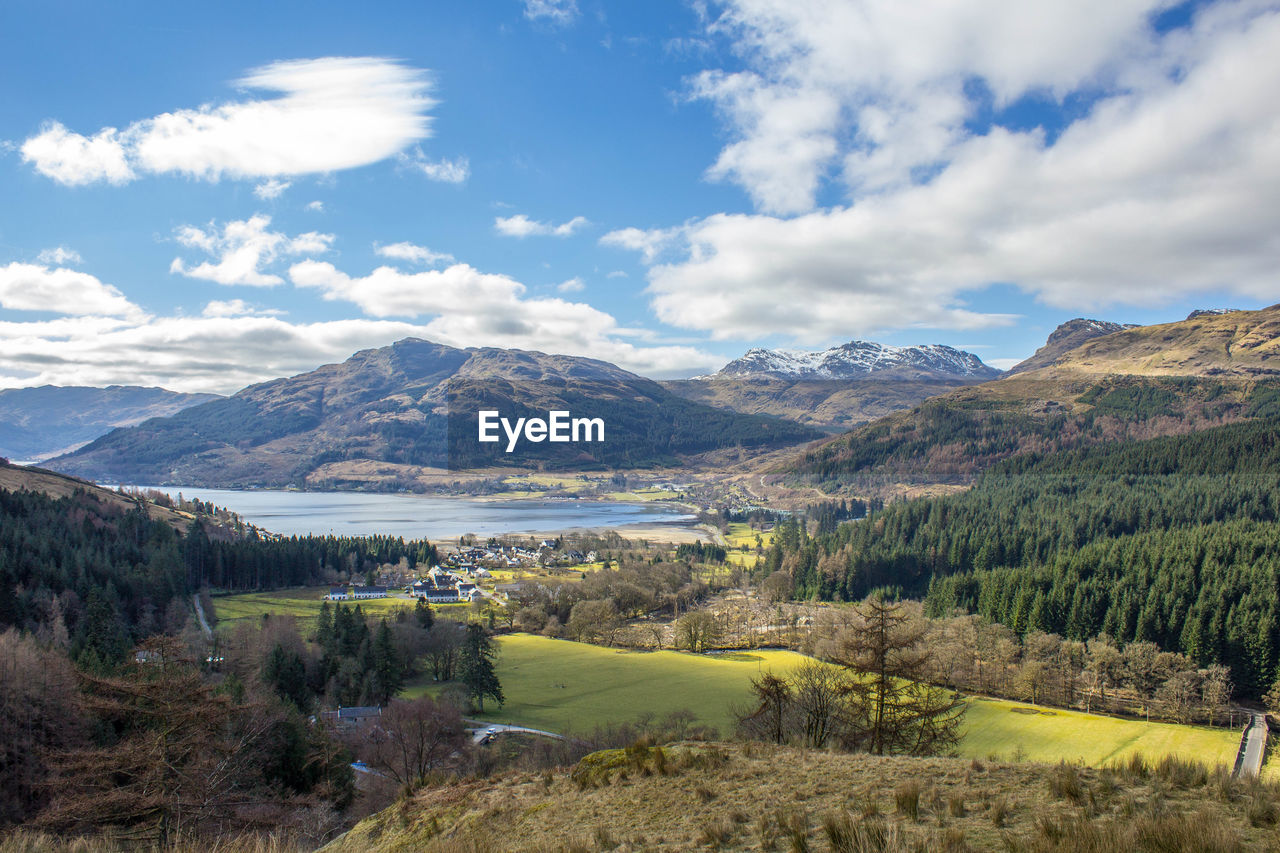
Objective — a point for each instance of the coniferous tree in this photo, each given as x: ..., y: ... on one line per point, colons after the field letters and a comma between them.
x: 893, y: 709
x: 477, y: 667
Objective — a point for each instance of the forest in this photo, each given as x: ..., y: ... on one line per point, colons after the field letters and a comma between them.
x: 1173, y: 540
x: 103, y: 579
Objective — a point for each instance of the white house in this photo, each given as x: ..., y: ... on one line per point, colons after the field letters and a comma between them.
x: 338, y: 593
x: 371, y: 592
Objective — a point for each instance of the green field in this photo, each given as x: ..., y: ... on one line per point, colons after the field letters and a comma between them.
x: 565, y: 686
x: 741, y: 534
x: 304, y: 604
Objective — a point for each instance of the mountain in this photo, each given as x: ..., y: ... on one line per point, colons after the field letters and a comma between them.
x: 1130, y: 383
x: 387, y: 415
x: 837, y: 388
x: 858, y: 360
x: 831, y: 405
x: 1065, y: 338
x: 39, y: 423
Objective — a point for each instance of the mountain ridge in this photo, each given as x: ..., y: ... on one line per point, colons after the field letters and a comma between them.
x: 42, y: 422
x: 411, y: 406
x: 857, y: 360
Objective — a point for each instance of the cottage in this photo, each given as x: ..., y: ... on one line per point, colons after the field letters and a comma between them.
x: 356, y: 716
x: 338, y: 593
x: 371, y: 592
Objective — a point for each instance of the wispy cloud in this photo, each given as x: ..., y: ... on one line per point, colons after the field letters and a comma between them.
x: 445, y: 171
x: 556, y: 12
x: 334, y: 113
x: 521, y: 225
x: 242, y: 249
x: 59, y: 256
x: 412, y: 253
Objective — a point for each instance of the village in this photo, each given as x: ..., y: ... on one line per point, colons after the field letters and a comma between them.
x: 466, y: 574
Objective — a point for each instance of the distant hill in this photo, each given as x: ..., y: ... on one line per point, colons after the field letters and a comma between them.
x: 837, y: 388
x: 413, y: 405
x: 1207, y: 343
x: 1114, y: 384
x: 1065, y: 338
x: 859, y: 360
x: 39, y: 423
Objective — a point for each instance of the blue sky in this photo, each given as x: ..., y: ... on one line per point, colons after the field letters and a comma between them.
x: 201, y: 197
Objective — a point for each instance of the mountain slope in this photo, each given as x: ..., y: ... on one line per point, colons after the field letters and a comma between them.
x: 1133, y: 383
x: 414, y: 404
x: 1065, y: 338
x: 833, y: 405
x: 38, y: 423
x: 837, y: 388
x: 857, y: 360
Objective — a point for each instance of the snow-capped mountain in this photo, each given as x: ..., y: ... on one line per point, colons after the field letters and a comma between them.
x: 857, y: 360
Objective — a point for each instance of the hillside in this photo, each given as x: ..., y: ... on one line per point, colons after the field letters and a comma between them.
x: 1137, y: 383
x: 833, y: 405
x: 414, y: 405
x: 39, y: 423
x: 19, y: 478
x: 763, y: 797
x: 1068, y: 336
x: 1234, y: 343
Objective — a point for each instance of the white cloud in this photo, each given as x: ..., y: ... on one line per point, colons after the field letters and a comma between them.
x: 445, y: 171
x: 472, y: 308
x: 72, y: 159
x: 573, y: 285
x: 522, y: 226
x: 650, y: 244
x: 316, y: 207
x: 59, y: 255
x: 236, y: 308
x: 271, y: 189
x: 412, y: 254
x: 1163, y: 189
x: 35, y: 287
x: 617, y: 274
x: 333, y: 113
x: 557, y: 12
x: 243, y: 248
x: 877, y: 91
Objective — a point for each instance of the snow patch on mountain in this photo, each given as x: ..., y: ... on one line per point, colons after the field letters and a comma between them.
x: 855, y: 360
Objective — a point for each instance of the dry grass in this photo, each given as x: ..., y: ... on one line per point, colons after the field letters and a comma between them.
x: 766, y: 798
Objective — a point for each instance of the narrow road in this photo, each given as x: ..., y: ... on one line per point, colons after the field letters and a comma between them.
x: 1255, y: 746
x: 479, y: 734
x: 204, y: 623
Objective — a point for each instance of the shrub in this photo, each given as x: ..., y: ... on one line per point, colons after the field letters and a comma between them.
x: 907, y: 798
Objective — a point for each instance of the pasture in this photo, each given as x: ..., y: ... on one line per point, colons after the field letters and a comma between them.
x: 564, y: 686
x: 303, y: 603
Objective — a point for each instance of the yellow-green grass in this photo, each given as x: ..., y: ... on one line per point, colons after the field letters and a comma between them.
x: 741, y: 533
x: 560, y: 686
x: 303, y: 603
x: 563, y: 686
x: 1009, y: 729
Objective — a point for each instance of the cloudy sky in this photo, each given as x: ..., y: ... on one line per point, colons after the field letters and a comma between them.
x: 201, y: 197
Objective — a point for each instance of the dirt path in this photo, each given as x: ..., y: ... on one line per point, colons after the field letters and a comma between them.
x: 204, y: 624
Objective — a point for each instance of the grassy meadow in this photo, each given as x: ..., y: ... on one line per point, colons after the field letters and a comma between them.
x: 303, y: 603
x: 562, y: 686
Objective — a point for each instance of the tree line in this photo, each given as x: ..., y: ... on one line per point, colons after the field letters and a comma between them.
x: 1172, y: 540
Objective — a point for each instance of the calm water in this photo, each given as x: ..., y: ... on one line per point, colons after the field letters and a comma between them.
x: 418, y: 517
